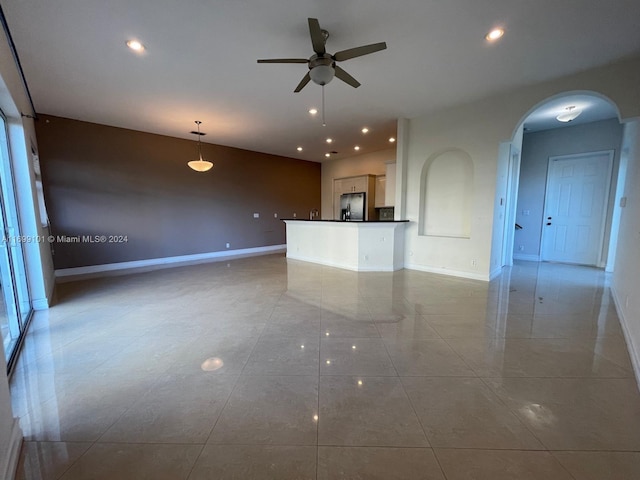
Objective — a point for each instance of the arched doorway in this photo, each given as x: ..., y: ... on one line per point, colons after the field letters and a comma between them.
x: 544, y: 149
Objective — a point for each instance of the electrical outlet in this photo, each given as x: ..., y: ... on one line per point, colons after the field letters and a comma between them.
x: 275, y: 215
x: 521, y: 248
x: 228, y: 245
x: 294, y: 215
x: 474, y: 263
x: 256, y: 215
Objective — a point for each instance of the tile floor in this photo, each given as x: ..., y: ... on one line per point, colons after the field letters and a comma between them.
x: 267, y: 369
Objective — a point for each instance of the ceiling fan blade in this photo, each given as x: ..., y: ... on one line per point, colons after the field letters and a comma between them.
x: 345, y: 77
x: 284, y: 60
x: 317, y: 38
x: 359, y: 51
x: 303, y: 82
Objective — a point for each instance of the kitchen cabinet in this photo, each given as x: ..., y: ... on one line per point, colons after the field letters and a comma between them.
x: 390, y: 185
x: 360, y: 183
x: 381, y: 181
x: 352, y: 184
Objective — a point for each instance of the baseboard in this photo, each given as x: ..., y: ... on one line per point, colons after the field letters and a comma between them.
x: 446, y: 271
x: 527, y: 257
x: 496, y: 272
x: 9, y: 463
x: 634, y: 354
x: 40, y: 303
x: 137, y: 266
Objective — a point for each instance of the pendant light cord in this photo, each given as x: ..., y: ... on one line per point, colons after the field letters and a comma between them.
x: 324, y: 124
x: 198, y: 122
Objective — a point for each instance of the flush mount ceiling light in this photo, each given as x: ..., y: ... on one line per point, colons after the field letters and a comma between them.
x: 200, y: 165
x: 135, y: 45
x: 570, y: 113
x: 391, y: 140
x: 327, y: 155
x: 313, y: 111
x: 329, y: 140
x: 494, y: 34
x: 299, y: 149
x: 365, y: 130
x: 356, y: 148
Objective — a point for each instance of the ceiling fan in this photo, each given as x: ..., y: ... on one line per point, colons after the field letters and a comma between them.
x: 322, y: 65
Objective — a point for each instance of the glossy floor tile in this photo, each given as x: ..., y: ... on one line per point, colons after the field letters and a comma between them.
x: 263, y: 368
x: 378, y: 463
x: 367, y: 411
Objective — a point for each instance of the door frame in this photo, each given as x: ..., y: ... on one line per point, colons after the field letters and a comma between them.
x: 605, y: 209
x: 511, y: 205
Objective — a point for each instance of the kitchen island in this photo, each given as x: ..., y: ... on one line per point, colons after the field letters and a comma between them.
x: 360, y: 246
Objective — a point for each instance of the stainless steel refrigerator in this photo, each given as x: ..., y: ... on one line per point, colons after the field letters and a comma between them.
x: 352, y: 206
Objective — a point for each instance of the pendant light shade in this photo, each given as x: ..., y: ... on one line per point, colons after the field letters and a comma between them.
x: 200, y: 165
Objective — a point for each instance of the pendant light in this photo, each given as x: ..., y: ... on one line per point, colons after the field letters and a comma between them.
x: 200, y: 165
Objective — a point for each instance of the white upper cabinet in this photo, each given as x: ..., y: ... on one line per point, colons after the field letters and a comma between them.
x: 380, y: 191
x: 390, y: 186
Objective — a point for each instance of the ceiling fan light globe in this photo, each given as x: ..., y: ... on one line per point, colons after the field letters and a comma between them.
x: 322, y: 74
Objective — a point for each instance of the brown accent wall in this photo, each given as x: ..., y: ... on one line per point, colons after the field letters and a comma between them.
x: 101, y: 180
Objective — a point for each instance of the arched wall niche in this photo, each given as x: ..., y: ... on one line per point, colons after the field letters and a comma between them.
x: 446, y: 195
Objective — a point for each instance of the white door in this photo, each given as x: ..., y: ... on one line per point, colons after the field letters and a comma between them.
x: 576, y: 207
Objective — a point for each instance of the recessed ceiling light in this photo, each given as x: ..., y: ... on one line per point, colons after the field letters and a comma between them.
x: 494, y: 34
x: 327, y: 155
x: 299, y: 149
x: 135, y: 45
x: 391, y: 139
x: 365, y: 130
x: 329, y: 140
x: 313, y: 111
x: 356, y: 147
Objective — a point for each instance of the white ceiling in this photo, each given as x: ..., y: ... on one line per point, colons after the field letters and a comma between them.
x: 200, y: 62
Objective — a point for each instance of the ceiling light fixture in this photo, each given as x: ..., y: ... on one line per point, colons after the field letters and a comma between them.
x: 200, y: 165
x: 494, y: 34
x: 570, y: 113
x: 365, y: 130
x: 135, y: 45
x: 313, y: 111
x: 356, y: 147
x: 392, y: 139
x: 329, y: 140
x: 327, y: 155
x: 299, y: 149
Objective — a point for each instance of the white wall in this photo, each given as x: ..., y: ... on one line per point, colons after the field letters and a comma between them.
x: 626, y: 276
x: 367, y: 163
x: 537, y: 147
x: 479, y: 128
